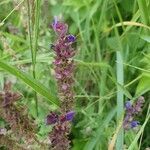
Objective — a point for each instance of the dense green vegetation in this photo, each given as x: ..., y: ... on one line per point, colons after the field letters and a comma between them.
x: 112, y: 65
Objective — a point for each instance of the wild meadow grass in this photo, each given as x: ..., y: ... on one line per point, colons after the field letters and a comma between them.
x: 112, y: 66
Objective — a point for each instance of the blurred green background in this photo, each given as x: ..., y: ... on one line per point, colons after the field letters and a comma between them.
x: 112, y: 64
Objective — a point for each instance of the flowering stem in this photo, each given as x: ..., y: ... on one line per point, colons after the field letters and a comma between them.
x: 64, y: 69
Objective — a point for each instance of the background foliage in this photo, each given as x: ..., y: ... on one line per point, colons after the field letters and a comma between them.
x: 105, y: 30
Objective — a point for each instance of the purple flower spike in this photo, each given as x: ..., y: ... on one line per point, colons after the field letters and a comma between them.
x: 131, y: 111
x: 71, y: 38
x: 64, y: 70
x: 134, y: 124
x: 52, y: 118
x: 70, y: 115
x: 128, y: 105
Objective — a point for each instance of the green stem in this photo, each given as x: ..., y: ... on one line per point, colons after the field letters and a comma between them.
x: 34, y: 46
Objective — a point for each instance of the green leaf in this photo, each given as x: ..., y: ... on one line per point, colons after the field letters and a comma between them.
x: 112, y: 43
x: 34, y: 84
x: 144, y: 84
x: 145, y: 38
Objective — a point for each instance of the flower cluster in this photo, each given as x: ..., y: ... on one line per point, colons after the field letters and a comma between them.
x: 54, y: 118
x: 60, y: 130
x: 131, y: 112
x: 7, y: 97
x: 64, y: 68
x: 18, y: 121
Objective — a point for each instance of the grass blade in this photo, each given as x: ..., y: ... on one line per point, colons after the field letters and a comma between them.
x: 119, y: 144
x: 3, y: 21
x: 144, y: 11
x: 120, y: 93
x: 35, y: 85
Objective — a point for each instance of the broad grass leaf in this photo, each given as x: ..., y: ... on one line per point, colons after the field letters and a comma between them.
x: 31, y: 82
x: 144, y: 84
x: 145, y: 38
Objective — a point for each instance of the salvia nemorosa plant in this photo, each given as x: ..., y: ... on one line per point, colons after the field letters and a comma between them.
x: 132, y: 110
x: 19, y: 122
x: 64, y: 68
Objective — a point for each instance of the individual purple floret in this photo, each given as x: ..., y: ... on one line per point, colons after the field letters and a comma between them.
x: 71, y: 38
x: 131, y: 112
x: 70, y: 115
x: 52, y: 118
x: 128, y: 105
x: 134, y: 124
